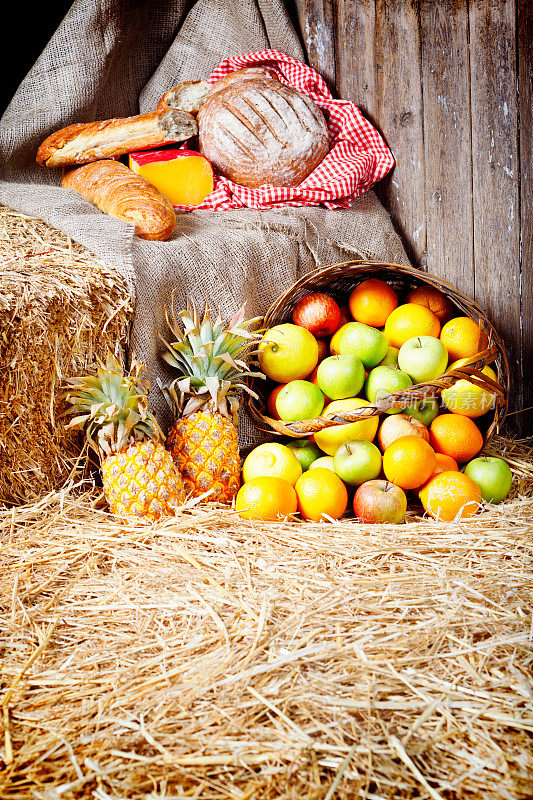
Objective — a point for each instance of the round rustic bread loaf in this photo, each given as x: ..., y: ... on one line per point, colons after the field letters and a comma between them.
x: 256, y: 130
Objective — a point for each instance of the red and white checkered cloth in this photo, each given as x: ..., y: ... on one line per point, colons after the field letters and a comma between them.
x: 358, y: 156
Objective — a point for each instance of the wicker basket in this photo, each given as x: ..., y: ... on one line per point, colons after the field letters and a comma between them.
x: 338, y: 280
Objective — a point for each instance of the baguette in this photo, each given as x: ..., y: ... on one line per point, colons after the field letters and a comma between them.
x: 91, y: 141
x: 187, y: 96
x: 117, y: 191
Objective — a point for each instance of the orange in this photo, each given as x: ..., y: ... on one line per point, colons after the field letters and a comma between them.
x: 409, y: 320
x: 372, y: 301
x: 436, y: 301
x: 462, y: 338
x: 455, y: 435
x: 450, y: 495
x: 266, y: 498
x: 408, y: 462
x: 442, y: 464
x: 319, y: 492
x: 445, y: 464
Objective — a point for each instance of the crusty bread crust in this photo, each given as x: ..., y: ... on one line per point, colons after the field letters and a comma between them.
x: 256, y: 130
x: 187, y: 96
x: 91, y: 141
x: 117, y: 191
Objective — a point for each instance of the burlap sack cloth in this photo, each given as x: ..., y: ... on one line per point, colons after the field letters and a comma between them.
x: 111, y: 59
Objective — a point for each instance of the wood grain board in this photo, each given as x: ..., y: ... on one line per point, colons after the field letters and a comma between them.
x: 448, y: 84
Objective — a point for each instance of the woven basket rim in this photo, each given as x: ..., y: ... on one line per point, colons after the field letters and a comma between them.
x: 280, y: 310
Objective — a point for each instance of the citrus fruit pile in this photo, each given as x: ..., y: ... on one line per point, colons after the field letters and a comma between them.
x: 336, y: 358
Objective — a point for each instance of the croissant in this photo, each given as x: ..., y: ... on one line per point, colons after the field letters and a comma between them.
x: 117, y: 191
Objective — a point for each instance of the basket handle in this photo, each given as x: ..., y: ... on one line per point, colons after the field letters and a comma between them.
x: 402, y: 398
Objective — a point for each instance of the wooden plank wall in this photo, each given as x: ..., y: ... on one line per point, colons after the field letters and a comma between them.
x: 448, y: 84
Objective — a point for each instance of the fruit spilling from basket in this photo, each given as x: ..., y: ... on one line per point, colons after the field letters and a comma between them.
x: 343, y: 378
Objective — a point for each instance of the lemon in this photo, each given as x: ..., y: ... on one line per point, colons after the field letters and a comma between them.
x: 324, y: 462
x: 330, y: 439
x: 288, y: 352
x: 465, y: 398
x: 271, y: 460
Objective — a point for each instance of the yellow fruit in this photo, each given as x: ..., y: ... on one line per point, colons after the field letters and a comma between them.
x: 464, y: 397
x: 266, y: 498
x: 330, y: 439
x: 335, y: 339
x: 321, y: 492
x: 409, y: 462
x: 372, y: 301
x: 288, y: 352
x: 205, y: 448
x: 271, y: 460
x: 449, y: 495
x: 462, y: 338
x: 142, y: 481
x: 138, y: 474
x: 408, y: 320
x: 210, y: 361
x: 324, y: 462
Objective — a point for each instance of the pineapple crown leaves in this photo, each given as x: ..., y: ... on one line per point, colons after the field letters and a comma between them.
x: 112, y: 407
x: 212, y: 360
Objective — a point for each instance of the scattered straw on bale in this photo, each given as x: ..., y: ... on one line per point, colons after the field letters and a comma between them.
x: 59, y: 308
x: 210, y: 657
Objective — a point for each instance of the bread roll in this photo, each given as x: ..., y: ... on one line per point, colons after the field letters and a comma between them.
x: 256, y: 130
x: 91, y: 141
x: 117, y: 191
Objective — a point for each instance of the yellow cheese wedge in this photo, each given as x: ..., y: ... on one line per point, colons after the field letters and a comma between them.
x: 184, y: 177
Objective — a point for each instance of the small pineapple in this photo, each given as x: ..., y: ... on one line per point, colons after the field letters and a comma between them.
x: 139, y: 476
x: 212, y: 361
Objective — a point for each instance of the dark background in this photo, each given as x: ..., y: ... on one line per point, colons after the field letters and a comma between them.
x: 30, y: 27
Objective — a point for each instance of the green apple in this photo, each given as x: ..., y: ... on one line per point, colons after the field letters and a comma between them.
x: 326, y: 462
x: 340, y: 376
x: 363, y: 341
x: 382, y: 381
x: 424, y: 411
x: 299, y: 400
x: 492, y: 475
x: 391, y: 357
x: 356, y: 462
x: 423, y: 358
x: 305, y: 451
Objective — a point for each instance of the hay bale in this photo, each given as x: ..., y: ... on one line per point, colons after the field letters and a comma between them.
x: 210, y: 657
x: 59, y: 308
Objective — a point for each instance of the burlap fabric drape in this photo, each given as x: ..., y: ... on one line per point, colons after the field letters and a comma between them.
x: 116, y: 58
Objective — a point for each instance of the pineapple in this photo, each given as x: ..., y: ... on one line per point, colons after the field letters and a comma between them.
x: 139, y: 476
x: 212, y: 362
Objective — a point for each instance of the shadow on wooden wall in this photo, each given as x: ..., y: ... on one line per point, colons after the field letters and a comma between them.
x: 448, y: 84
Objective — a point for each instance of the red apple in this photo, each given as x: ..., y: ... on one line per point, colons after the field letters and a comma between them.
x: 271, y: 403
x: 346, y: 315
x: 397, y: 425
x: 323, y: 349
x: 317, y: 312
x: 380, y: 501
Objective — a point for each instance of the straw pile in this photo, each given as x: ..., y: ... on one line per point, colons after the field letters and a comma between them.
x: 59, y: 308
x: 210, y: 657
